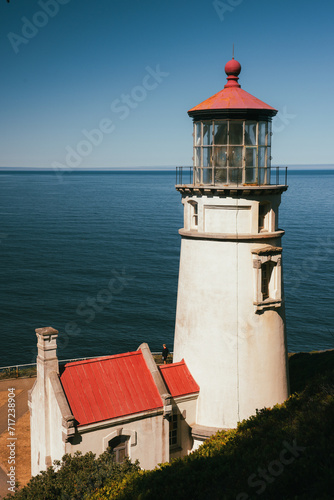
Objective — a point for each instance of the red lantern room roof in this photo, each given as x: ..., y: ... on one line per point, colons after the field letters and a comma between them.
x: 232, y: 100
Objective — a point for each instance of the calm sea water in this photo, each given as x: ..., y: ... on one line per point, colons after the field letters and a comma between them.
x: 96, y: 256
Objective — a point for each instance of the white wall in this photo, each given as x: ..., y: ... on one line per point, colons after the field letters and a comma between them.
x: 149, y: 438
x: 186, y: 406
x: 236, y: 355
x: 46, y: 434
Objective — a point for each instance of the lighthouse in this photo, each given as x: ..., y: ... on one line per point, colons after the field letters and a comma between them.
x: 230, y: 320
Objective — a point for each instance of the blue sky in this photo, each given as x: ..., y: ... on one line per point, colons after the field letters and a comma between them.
x: 109, y: 83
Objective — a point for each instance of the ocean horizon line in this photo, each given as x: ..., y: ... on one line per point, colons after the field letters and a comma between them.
x: 166, y: 168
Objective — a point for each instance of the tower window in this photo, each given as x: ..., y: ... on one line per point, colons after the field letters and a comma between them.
x: 264, y: 214
x: 193, y: 214
x: 267, y: 277
x: 267, y: 270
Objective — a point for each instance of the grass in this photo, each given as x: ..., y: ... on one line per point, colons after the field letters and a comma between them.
x: 16, y: 372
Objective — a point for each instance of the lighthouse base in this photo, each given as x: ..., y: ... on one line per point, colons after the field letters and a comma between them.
x: 235, y: 350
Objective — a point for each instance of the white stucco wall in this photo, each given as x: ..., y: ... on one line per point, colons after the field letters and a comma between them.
x: 148, y: 443
x: 57, y: 439
x: 47, y: 443
x: 186, y: 406
x: 37, y: 436
x: 229, y: 215
x: 196, y: 444
x: 236, y: 355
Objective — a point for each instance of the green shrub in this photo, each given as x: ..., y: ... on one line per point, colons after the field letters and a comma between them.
x: 286, y: 452
x: 75, y: 477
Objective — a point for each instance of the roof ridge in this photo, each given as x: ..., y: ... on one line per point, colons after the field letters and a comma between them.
x: 171, y: 365
x: 102, y: 358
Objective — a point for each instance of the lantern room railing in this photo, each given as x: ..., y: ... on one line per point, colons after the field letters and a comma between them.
x: 232, y: 176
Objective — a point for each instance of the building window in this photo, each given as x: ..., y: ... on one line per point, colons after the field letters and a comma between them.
x: 119, y: 448
x: 174, y: 430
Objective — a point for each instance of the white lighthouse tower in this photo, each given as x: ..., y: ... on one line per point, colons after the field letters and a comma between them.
x: 230, y: 322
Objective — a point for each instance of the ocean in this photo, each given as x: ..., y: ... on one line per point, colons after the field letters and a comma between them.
x: 96, y: 255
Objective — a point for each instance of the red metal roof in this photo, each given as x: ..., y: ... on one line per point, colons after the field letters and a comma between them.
x: 109, y: 387
x: 232, y: 97
x: 178, y: 379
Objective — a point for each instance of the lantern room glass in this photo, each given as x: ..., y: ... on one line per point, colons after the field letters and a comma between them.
x: 232, y: 151
x: 250, y: 133
x: 235, y: 133
x: 197, y: 132
x: 220, y: 133
x: 207, y: 133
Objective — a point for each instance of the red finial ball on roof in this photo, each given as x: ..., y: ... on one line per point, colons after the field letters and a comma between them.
x: 232, y: 69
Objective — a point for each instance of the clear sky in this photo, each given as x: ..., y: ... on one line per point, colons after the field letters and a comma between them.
x: 108, y: 83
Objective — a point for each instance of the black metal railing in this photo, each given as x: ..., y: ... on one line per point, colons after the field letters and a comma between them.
x: 235, y: 176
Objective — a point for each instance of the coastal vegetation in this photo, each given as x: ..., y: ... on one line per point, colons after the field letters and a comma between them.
x: 282, y: 452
